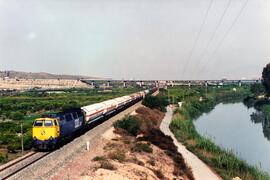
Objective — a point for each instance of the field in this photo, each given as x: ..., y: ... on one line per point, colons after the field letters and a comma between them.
x: 25, y: 107
x: 197, y: 101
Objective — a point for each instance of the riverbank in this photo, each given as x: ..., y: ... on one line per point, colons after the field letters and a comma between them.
x: 199, y: 169
x: 225, y: 163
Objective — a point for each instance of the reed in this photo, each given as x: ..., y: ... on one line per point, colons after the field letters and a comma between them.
x: 223, y: 161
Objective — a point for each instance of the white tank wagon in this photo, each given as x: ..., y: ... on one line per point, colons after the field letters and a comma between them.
x: 128, y: 99
x: 93, y: 111
x: 96, y: 111
x: 110, y: 106
x: 134, y: 96
x: 76, y: 121
x: 121, y: 101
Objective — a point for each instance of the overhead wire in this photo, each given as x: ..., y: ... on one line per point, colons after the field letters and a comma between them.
x: 197, y: 38
x: 225, y: 35
x: 212, y: 36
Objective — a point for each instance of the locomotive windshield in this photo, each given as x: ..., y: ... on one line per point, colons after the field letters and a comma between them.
x: 38, y: 123
x: 48, y: 123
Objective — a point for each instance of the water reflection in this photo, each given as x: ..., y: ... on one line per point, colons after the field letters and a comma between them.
x: 242, y: 130
x: 259, y: 117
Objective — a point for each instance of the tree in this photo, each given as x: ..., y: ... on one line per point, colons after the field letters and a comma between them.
x: 266, y: 78
x: 17, y: 115
x: 257, y: 89
x: 155, y: 102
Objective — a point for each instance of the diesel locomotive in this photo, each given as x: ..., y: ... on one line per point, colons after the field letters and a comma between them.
x: 48, y: 131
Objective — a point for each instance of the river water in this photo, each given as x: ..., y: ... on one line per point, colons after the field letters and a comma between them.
x: 233, y: 127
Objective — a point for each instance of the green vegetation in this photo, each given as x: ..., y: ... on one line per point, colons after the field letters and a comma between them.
x: 222, y: 161
x: 3, y: 158
x: 29, y: 103
x: 142, y: 147
x: 155, y: 102
x: 99, y: 158
x: 107, y: 165
x: 266, y: 78
x: 146, y: 123
x: 130, y: 123
x: 117, y: 155
x: 266, y: 110
x: 257, y: 89
x: 25, y: 107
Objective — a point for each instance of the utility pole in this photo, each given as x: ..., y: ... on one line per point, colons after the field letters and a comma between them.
x: 22, y: 137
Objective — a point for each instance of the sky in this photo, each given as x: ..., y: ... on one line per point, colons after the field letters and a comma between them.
x: 136, y: 39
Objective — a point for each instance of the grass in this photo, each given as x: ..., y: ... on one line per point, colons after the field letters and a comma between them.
x: 142, y: 147
x: 117, y: 155
x: 25, y: 107
x: 224, y: 162
x: 130, y: 124
x: 149, y: 126
x: 159, y: 139
x: 107, y: 165
x: 99, y: 158
x: 3, y: 158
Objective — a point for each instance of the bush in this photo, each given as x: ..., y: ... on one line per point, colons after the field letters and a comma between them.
x: 117, y: 155
x: 3, y: 158
x: 14, y: 146
x: 130, y: 123
x: 27, y: 141
x: 142, y: 147
x: 159, y: 174
x: 107, y: 165
x: 156, y: 102
x: 99, y: 158
x: 17, y: 115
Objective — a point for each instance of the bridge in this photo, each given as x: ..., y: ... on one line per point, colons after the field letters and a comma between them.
x: 125, y: 83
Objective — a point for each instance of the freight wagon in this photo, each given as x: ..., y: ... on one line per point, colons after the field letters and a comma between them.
x: 50, y: 130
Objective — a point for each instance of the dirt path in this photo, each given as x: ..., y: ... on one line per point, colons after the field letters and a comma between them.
x: 200, y: 170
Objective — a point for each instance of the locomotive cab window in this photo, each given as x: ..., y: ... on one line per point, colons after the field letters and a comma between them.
x: 48, y: 123
x: 38, y: 123
x: 55, y: 123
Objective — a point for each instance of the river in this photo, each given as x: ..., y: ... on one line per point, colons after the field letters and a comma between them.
x: 232, y: 127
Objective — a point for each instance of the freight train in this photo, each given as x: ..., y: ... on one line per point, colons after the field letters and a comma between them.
x: 49, y: 131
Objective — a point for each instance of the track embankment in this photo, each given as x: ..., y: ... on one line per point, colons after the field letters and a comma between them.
x: 200, y: 170
x: 59, y: 160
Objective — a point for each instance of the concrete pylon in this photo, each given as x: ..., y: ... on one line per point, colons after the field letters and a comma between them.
x: 157, y: 84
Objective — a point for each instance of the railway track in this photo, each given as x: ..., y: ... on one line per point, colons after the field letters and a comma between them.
x: 19, y: 167
x: 16, y: 166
